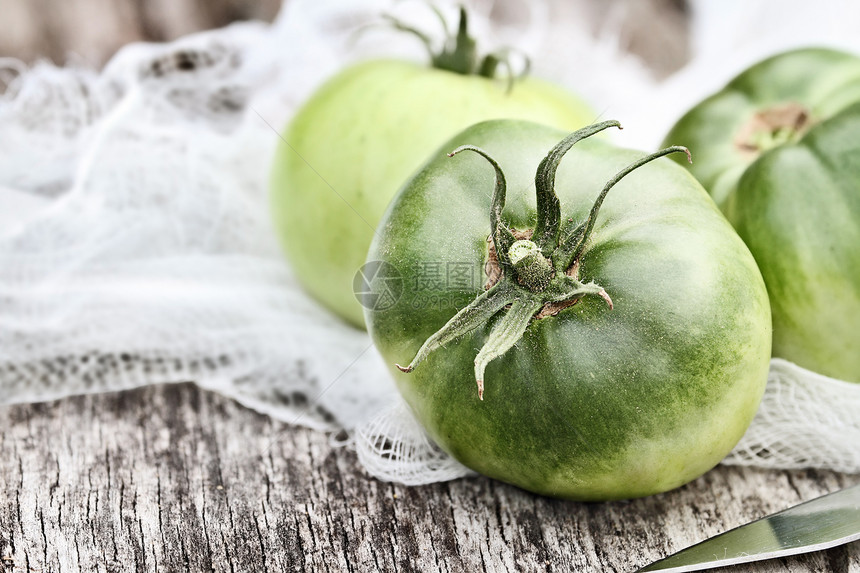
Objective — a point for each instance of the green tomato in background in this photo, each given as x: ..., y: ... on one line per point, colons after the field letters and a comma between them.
x: 622, y: 351
x: 779, y: 150
x: 358, y: 138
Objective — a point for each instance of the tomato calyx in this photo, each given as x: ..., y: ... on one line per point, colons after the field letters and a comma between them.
x: 536, y: 279
x: 459, y: 52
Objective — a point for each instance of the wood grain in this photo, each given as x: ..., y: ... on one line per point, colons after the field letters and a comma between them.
x: 174, y: 478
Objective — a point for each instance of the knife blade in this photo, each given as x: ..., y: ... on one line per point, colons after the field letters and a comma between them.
x: 821, y: 523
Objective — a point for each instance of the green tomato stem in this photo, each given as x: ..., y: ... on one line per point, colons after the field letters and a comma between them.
x: 548, y: 206
x: 506, y: 333
x: 490, y: 64
x: 503, y: 238
x: 459, y: 53
x: 533, y: 270
x: 476, y: 314
x: 403, y: 27
x: 530, y: 280
x: 565, y: 288
x: 573, y: 243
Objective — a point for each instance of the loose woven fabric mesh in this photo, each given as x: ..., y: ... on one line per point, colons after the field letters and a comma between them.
x: 136, y: 246
x: 152, y: 258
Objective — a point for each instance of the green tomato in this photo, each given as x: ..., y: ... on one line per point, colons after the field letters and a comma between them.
x: 779, y: 150
x: 351, y: 146
x: 624, y: 349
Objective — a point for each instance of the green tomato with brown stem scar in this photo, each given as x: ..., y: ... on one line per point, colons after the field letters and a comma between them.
x: 779, y: 150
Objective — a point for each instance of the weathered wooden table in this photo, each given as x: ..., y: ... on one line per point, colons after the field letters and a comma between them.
x: 174, y: 478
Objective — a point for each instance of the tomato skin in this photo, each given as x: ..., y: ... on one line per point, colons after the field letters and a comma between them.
x: 351, y: 146
x: 592, y: 403
x: 796, y: 203
x: 798, y: 209
x: 823, y: 81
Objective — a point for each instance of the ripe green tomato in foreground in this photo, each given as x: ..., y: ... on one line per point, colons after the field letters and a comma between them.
x: 358, y: 138
x: 779, y: 150
x: 641, y: 375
